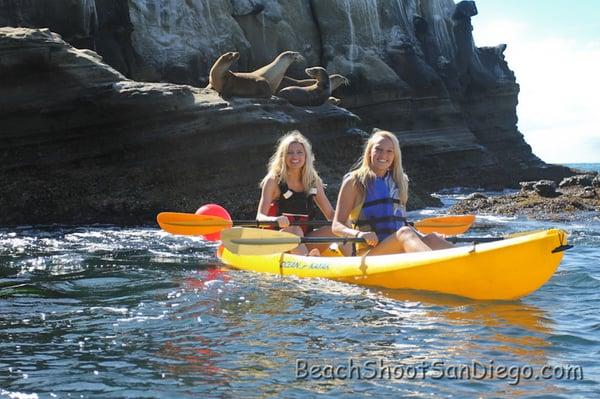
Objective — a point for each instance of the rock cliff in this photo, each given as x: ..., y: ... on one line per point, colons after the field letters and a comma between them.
x: 87, y: 142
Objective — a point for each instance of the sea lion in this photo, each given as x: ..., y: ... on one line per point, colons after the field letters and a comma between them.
x: 232, y: 84
x: 336, y: 80
x: 313, y: 95
x: 275, y: 71
x: 289, y: 81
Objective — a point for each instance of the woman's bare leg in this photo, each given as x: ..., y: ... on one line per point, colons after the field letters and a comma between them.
x: 300, y: 249
x: 324, y: 231
x: 435, y: 241
x: 406, y: 239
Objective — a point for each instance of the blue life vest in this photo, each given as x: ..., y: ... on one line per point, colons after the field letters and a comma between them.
x: 382, y: 211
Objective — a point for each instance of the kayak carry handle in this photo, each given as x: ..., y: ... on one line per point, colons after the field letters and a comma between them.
x: 561, y: 248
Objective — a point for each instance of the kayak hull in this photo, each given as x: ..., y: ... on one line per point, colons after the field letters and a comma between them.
x: 502, y: 270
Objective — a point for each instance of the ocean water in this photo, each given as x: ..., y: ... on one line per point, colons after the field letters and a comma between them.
x: 592, y: 167
x: 103, y: 311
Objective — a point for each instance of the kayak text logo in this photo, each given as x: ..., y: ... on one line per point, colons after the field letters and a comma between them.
x: 383, y: 370
x: 304, y: 266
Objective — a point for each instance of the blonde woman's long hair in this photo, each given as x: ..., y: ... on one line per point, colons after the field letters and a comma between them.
x: 277, y: 167
x: 362, y: 174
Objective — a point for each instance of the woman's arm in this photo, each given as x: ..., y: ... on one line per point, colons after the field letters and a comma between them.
x: 345, y: 203
x: 323, y: 202
x: 268, y: 194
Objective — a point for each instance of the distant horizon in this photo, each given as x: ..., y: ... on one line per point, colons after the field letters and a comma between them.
x: 581, y: 163
x: 578, y: 163
x: 554, y: 50
x: 590, y: 166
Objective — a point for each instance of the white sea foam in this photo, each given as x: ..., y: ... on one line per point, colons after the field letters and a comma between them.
x: 110, y: 309
x: 18, y: 395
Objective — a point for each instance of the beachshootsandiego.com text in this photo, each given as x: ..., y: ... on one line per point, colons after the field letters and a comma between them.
x: 381, y: 369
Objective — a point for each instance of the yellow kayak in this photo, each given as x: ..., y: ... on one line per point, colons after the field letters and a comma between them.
x: 501, y: 270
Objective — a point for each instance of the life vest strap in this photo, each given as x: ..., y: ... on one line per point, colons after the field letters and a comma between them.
x: 382, y: 219
x: 387, y: 200
x: 387, y: 232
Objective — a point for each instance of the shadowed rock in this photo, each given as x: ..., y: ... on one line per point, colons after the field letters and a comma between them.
x: 546, y: 188
x: 578, y: 180
x: 527, y: 185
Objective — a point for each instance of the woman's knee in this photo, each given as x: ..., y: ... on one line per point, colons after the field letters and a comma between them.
x: 404, y: 233
x: 436, y: 241
x: 429, y: 238
x: 297, y: 230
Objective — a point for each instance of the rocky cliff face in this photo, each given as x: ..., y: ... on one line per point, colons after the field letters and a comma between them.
x: 75, y: 129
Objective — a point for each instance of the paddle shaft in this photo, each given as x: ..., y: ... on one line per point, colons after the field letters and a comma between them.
x: 294, y: 240
x: 321, y: 240
x: 256, y: 223
x: 454, y: 240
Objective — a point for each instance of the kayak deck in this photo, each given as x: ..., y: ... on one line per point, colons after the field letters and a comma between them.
x: 501, y: 270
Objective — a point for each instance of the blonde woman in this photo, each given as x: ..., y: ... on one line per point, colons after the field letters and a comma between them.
x: 373, y: 200
x: 292, y: 191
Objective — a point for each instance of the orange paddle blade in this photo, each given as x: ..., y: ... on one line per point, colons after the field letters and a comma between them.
x: 190, y: 224
x: 448, y: 225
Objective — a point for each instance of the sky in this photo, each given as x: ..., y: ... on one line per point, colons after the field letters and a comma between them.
x: 554, y: 50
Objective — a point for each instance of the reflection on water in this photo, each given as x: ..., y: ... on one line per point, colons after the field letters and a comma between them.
x: 463, y: 311
x: 193, y: 358
x: 504, y: 327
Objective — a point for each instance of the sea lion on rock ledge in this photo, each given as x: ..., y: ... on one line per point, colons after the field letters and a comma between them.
x: 313, y: 95
x: 336, y: 80
x: 275, y: 71
x: 231, y: 84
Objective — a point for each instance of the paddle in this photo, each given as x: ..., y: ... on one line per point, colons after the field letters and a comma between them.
x: 247, y: 241
x: 191, y: 224
x: 449, y: 225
